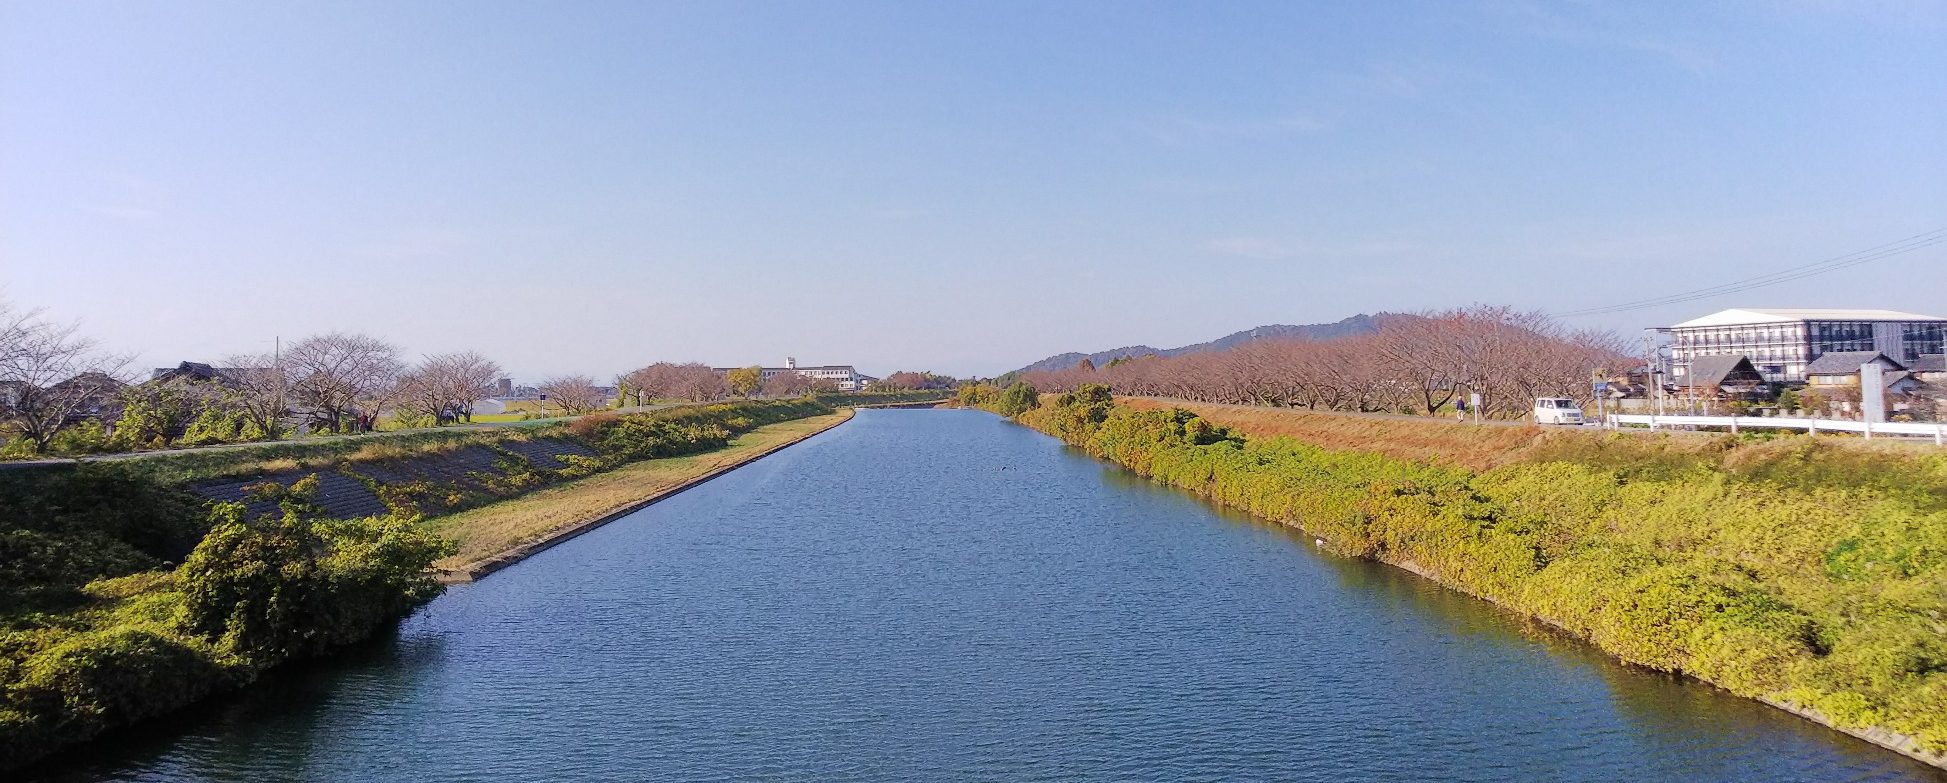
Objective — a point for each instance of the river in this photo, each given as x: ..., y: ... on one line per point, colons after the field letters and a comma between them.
x: 942, y: 595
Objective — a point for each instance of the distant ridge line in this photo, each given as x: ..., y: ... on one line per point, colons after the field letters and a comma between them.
x: 1348, y: 327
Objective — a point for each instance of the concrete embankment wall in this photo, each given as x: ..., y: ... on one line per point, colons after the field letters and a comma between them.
x: 346, y: 497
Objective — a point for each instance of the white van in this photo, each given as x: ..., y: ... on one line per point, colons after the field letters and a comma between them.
x: 1557, y: 410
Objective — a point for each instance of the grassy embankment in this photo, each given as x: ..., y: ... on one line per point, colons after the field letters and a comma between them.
x: 485, y: 536
x: 123, y: 596
x: 1808, y: 574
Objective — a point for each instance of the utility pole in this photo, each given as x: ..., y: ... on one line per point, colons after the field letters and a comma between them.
x: 1652, y: 368
x: 1599, y: 390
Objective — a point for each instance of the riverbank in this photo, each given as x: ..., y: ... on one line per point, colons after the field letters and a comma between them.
x: 1800, y: 573
x: 496, y: 536
x: 130, y: 589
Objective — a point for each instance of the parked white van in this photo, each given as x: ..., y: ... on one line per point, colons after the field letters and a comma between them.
x: 1557, y: 410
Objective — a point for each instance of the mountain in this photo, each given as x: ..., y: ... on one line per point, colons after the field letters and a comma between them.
x: 1356, y: 325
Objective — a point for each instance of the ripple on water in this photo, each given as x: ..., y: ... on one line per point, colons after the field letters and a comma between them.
x: 884, y: 603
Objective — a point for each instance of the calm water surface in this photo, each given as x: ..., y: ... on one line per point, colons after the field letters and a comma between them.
x: 940, y: 595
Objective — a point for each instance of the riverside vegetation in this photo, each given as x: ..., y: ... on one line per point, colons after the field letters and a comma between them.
x: 1808, y: 574
x: 123, y: 596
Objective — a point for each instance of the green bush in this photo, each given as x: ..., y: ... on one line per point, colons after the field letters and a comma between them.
x: 295, y: 584
x: 62, y: 528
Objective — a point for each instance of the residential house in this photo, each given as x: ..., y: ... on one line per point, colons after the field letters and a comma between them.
x: 1929, y: 368
x: 1841, y: 369
x: 1723, y: 378
x: 97, y: 395
x: 1835, y: 378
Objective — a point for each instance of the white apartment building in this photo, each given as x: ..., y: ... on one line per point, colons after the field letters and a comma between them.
x: 1781, y: 343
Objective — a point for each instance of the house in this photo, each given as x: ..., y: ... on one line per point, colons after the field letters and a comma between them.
x: 194, y: 372
x: 1841, y: 369
x: 96, y: 395
x: 1929, y: 368
x: 1726, y: 377
x: 1834, y: 378
x: 1782, y: 344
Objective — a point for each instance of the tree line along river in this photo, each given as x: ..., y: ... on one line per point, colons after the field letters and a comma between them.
x: 942, y: 595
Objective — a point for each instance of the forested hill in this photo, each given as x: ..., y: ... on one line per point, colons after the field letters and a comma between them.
x: 1356, y: 325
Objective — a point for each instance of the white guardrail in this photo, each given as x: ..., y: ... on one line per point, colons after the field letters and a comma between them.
x: 1814, y: 426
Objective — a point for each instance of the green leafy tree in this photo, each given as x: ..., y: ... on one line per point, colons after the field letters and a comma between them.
x: 744, y: 381
x: 1017, y: 399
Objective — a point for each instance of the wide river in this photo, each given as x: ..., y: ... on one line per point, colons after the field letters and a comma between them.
x: 942, y: 595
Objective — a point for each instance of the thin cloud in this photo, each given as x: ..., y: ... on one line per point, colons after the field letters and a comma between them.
x: 426, y: 243
x: 1254, y: 248
x: 123, y: 212
x: 1257, y: 248
x: 1599, y: 28
x: 1181, y: 131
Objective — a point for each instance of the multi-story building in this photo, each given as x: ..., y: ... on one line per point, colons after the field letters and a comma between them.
x: 847, y: 377
x: 1781, y: 343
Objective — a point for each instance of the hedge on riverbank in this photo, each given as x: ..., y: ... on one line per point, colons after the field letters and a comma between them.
x: 1761, y: 568
x: 252, y: 594
x: 122, y: 598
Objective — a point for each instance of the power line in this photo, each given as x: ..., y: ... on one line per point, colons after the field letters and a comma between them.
x: 1835, y: 263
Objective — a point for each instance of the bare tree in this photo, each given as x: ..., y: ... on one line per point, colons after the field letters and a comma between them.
x: 340, y: 381
x: 789, y: 383
x: 261, y: 383
x: 575, y: 394
x: 52, y: 377
x: 421, y: 393
x: 443, y: 387
x: 651, y: 382
x: 697, y: 383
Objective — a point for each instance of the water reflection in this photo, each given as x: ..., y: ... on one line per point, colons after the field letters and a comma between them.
x: 938, y: 595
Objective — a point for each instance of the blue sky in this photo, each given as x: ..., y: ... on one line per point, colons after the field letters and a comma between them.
x: 960, y: 187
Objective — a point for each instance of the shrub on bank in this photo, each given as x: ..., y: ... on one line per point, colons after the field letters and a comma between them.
x: 252, y: 594
x: 1772, y: 573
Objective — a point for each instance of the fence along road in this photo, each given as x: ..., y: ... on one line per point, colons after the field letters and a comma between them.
x: 1811, y: 426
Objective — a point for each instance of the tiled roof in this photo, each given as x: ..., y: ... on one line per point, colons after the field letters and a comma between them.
x: 1715, y: 370
x: 1845, y: 362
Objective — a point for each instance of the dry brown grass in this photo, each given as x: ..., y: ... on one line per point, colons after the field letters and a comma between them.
x: 491, y: 530
x: 1483, y: 447
x: 1477, y: 447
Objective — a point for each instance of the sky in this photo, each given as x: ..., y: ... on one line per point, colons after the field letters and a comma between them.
x: 960, y: 187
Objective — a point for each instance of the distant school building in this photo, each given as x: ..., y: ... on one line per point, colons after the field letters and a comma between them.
x: 846, y: 376
x: 1782, y: 345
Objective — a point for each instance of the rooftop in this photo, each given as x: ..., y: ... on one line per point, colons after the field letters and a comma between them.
x: 1846, y: 362
x: 1708, y: 371
x: 1741, y: 316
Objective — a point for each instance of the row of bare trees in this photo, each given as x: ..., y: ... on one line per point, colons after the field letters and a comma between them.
x: 697, y: 382
x: 52, y: 378
x: 1418, y: 363
x: 340, y: 382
